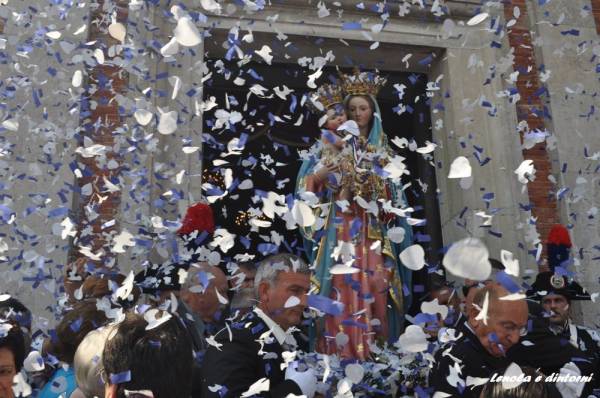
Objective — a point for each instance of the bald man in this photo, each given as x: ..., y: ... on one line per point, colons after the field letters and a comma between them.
x: 493, y: 326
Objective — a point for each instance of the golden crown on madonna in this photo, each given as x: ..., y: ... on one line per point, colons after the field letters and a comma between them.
x: 326, y: 96
x: 362, y: 83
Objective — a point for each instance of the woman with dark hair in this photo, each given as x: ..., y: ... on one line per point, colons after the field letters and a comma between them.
x: 148, y: 356
x: 12, y: 355
x: 363, y: 238
x: 60, y: 349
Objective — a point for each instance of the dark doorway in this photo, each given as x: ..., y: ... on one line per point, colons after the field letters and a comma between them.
x: 276, y: 129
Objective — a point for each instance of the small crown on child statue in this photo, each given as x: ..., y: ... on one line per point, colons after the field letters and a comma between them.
x: 326, y: 96
x: 362, y: 83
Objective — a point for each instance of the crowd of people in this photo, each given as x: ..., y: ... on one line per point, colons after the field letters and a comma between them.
x: 193, y: 338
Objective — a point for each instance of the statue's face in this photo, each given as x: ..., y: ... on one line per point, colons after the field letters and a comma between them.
x: 335, y: 118
x: 360, y: 111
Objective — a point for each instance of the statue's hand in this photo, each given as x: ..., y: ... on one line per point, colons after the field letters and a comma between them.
x: 322, y: 174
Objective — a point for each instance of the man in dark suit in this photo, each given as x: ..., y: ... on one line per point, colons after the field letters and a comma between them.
x: 446, y: 295
x: 202, y: 302
x: 494, y: 325
x: 255, y: 357
x: 553, y: 340
x: 560, y: 340
x: 198, y: 289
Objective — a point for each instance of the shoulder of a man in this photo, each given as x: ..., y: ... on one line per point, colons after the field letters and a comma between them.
x: 246, y: 331
x: 461, y: 347
x: 594, y: 334
x: 446, y: 375
x: 458, y: 364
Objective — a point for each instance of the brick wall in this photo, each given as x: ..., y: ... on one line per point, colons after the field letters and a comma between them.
x: 530, y: 108
x: 596, y: 12
x: 100, y: 121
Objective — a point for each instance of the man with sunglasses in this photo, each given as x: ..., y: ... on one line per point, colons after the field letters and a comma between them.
x: 494, y: 324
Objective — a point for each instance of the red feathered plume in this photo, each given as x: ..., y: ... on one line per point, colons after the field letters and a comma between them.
x: 198, y: 217
x: 559, y: 235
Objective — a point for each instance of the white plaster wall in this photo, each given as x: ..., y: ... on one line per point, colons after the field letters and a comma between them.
x: 40, y: 150
x: 464, y: 123
x: 574, y: 86
x: 161, y: 158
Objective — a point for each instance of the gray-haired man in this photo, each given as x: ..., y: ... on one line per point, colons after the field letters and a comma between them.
x: 252, y: 358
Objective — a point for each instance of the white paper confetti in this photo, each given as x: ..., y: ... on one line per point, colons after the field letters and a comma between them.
x: 341, y: 339
x: 460, y: 168
x: 211, y: 6
x: 354, y: 372
x: 526, y: 171
x: 77, y: 78
x: 477, y: 19
x: 117, y: 30
x: 413, y: 257
x: 292, y: 301
x: 126, y: 287
x: 151, y: 317
x: 468, y: 258
x: 99, y: 55
x: 11, y: 124
x: 34, y: 362
x: 483, y: 311
x: 222, y: 300
x: 171, y: 48
x: 190, y: 149
x: 261, y: 385
x: 265, y: 53
x: 303, y: 214
x: 167, y: 123
x: 186, y: 32
x: 143, y: 116
x: 125, y: 238
x: 434, y: 307
x: 351, y: 127
x: 428, y: 148
x: 341, y: 269
x: 511, y: 264
x: 54, y: 34
x: 513, y: 297
x: 246, y: 184
x: 412, y: 340
x: 513, y: 377
x: 396, y: 234
x: 223, y: 239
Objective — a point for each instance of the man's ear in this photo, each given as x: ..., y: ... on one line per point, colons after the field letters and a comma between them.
x: 263, y: 292
x: 185, y: 296
x: 471, y: 315
x: 110, y: 390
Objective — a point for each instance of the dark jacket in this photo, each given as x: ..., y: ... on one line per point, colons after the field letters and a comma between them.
x: 198, y: 331
x: 241, y: 361
x: 588, y: 342
x: 460, y: 359
x: 548, y: 351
